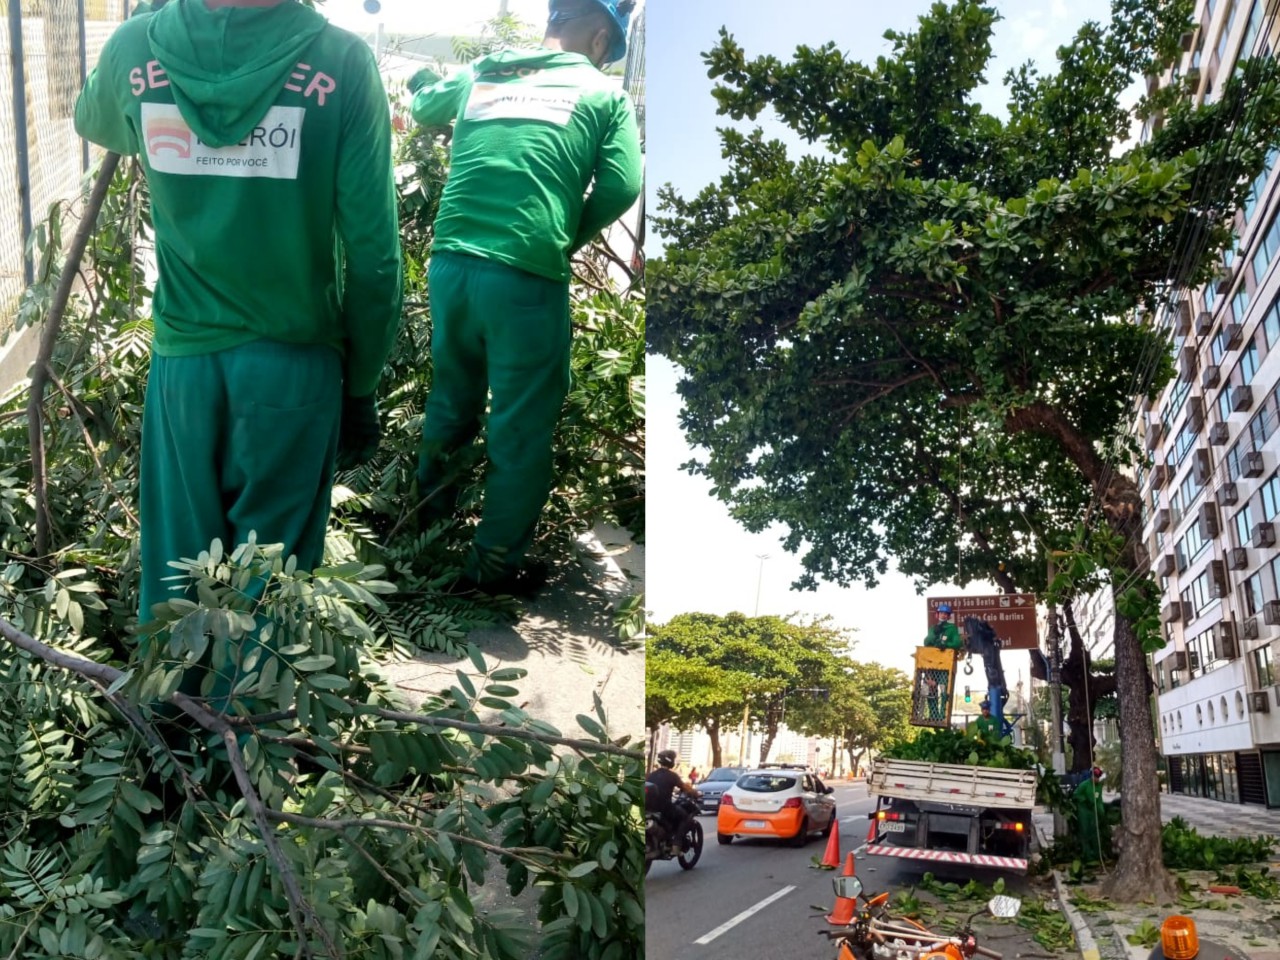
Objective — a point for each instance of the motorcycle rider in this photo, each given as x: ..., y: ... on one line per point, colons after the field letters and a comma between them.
x: 660, y: 787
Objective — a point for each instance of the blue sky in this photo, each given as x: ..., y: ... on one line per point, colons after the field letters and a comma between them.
x: 697, y: 557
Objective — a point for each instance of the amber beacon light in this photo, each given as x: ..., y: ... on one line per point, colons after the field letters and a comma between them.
x: 1178, y: 938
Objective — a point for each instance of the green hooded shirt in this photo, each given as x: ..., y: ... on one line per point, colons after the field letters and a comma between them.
x: 536, y: 129
x: 265, y: 135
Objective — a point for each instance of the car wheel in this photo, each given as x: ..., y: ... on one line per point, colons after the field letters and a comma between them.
x: 724, y: 838
x: 802, y: 835
x: 831, y: 824
x: 691, y: 849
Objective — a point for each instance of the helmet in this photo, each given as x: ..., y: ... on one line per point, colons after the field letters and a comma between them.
x: 985, y: 705
x: 1099, y: 773
x: 667, y: 758
x: 944, y: 608
x: 619, y: 14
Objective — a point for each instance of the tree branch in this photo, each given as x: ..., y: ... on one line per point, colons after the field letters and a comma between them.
x: 1040, y: 417
x: 497, y: 730
x: 48, y: 338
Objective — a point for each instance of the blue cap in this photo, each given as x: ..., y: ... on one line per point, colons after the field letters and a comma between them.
x: 944, y: 608
x: 619, y: 14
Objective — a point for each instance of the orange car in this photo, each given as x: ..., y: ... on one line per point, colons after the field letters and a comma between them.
x: 789, y: 804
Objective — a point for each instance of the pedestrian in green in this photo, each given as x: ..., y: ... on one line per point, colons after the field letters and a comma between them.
x: 265, y: 136
x: 944, y: 633
x: 545, y: 155
x: 1091, y: 816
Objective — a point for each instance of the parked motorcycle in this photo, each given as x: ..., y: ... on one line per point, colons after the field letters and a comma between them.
x: 686, y: 850
x: 1180, y: 941
x: 873, y: 935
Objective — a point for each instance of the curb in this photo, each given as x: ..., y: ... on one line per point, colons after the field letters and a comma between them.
x: 1085, y: 941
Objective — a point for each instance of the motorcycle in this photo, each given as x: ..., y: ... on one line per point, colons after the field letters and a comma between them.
x: 873, y: 935
x: 1180, y: 941
x: 686, y: 850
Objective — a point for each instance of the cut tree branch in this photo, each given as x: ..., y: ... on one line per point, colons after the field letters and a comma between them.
x: 40, y: 369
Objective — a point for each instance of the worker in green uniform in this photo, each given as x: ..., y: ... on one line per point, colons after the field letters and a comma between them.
x: 265, y: 137
x: 546, y: 154
x: 944, y: 633
x: 1095, y: 831
x: 987, y: 727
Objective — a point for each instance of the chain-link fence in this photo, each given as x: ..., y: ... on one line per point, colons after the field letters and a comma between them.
x: 46, y: 49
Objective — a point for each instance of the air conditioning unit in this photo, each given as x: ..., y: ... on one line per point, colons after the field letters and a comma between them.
x: 1241, y: 398
x: 1238, y: 558
x: 1193, y: 77
x: 1203, y: 464
x: 1233, y: 333
x: 1162, y: 519
x: 1228, y: 494
x: 1271, y: 612
x: 1204, y: 323
x: 1219, y: 434
x: 1251, y: 464
x: 1195, y: 413
x: 1259, y: 702
x: 1165, y: 567
x: 1212, y: 376
x: 1251, y: 629
x: 1264, y: 535
x: 1193, y: 659
x: 1153, y: 437
x: 1178, y: 661
x: 1224, y: 639
x: 1208, y: 521
x: 1187, y: 363
x: 1188, y: 37
x: 1159, y: 475
x: 1218, y: 586
x: 1182, y: 319
x: 1172, y: 613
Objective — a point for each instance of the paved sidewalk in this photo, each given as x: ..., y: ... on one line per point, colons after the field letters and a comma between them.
x: 1248, y: 926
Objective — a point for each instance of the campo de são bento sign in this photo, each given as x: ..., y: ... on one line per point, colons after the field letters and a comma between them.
x: 1011, y: 615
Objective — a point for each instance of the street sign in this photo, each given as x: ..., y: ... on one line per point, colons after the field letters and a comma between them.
x: 1011, y: 615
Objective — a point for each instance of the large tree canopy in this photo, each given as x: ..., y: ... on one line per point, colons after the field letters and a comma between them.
x: 922, y: 343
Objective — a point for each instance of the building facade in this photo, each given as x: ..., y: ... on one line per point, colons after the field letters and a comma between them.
x: 1212, y: 487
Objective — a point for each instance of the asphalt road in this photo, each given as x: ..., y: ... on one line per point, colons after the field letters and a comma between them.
x: 760, y: 899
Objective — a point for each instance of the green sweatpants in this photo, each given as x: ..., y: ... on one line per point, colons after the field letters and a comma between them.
x: 237, y: 441
x: 501, y: 331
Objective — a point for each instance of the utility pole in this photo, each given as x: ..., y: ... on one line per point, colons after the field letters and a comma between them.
x: 742, y: 732
x: 762, y: 557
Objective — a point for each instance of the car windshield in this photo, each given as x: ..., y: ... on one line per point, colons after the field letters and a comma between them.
x: 766, y: 782
x: 722, y: 773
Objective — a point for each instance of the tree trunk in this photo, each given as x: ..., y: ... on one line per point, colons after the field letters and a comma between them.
x: 1084, y: 688
x: 713, y: 731
x: 1140, y: 873
x: 767, y: 737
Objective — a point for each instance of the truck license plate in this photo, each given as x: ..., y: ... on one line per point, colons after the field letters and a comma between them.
x: 890, y: 826
x: 754, y: 824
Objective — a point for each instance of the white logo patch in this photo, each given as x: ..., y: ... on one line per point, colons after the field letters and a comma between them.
x: 513, y: 101
x: 271, y: 149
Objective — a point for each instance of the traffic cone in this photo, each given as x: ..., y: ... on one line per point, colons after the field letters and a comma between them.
x: 831, y: 857
x: 841, y: 914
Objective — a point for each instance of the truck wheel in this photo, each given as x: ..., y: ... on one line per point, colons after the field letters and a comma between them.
x: 802, y: 835
x: 724, y: 838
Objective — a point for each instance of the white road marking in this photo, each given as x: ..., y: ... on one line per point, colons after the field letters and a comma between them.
x: 750, y: 911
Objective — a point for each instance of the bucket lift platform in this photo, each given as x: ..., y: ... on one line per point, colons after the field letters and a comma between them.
x: 933, y: 688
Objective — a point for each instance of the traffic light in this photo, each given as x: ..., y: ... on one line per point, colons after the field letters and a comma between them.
x: 968, y: 697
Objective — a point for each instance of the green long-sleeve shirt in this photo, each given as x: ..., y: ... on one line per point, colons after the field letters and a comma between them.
x: 546, y: 154
x: 944, y: 635
x: 265, y: 135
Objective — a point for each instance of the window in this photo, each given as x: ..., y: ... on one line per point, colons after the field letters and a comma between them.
x: 1251, y: 32
x: 1224, y: 403
x: 1251, y: 594
x: 1262, y: 668
x: 1197, y: 594
x: 1271, y: 324
x: 1190, y: 489
x: 1271, y: 497
x: 1226, y: 30
x: 1181, y: 390
x: 1259, y: 185
x: 1249, y: 362
x: 1210, y: 296
x: 1244, y: 525
x: 1268, y: 246
x: 1240, y: 305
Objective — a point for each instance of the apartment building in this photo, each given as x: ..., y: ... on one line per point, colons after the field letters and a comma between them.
x: 1213, y: 485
